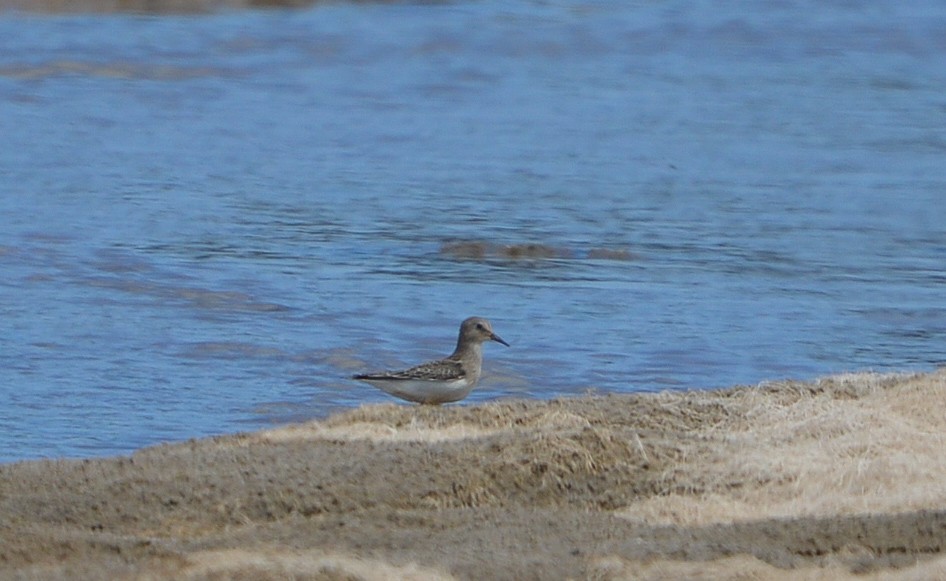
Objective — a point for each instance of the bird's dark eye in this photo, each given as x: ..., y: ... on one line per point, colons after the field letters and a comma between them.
x: 480, y: 327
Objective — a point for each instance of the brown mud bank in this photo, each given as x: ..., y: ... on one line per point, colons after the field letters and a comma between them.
x: 838, y: 478
x: 480, y: 250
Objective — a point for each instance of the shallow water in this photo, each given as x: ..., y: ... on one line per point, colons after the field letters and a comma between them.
x: 210, y: 222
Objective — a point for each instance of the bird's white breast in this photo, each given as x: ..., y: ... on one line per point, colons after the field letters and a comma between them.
x: 425, y: 390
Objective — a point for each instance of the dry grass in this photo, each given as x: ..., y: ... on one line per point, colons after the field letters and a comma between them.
x: 838, y: 478
x: 389, y: 423
x: 844, y: 445
x: 748, y: 568
x: 274, y: 564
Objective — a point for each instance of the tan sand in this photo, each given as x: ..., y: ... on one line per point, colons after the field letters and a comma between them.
x: 839, y: 478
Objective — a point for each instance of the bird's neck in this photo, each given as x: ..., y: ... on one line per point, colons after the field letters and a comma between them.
x: 468, y: 353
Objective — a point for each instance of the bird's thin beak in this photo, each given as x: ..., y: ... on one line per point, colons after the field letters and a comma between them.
x: 498, y: 339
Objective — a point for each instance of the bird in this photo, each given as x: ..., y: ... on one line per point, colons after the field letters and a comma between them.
x: 445, y: 380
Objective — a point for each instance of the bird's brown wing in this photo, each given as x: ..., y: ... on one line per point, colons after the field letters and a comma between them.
x: 443, y: 370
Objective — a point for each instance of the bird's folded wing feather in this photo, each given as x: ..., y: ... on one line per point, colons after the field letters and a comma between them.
x: 443, y: 370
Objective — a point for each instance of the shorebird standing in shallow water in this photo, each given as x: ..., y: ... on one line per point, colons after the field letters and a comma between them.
x: 442, y: 381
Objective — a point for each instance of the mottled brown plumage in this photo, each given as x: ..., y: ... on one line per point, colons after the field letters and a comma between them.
x: 445, y: 380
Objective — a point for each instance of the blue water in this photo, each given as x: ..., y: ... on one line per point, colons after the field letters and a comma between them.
x: 207, y: 223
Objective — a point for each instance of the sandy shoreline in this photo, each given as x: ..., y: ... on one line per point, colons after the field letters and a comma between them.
x: 830, y: 479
